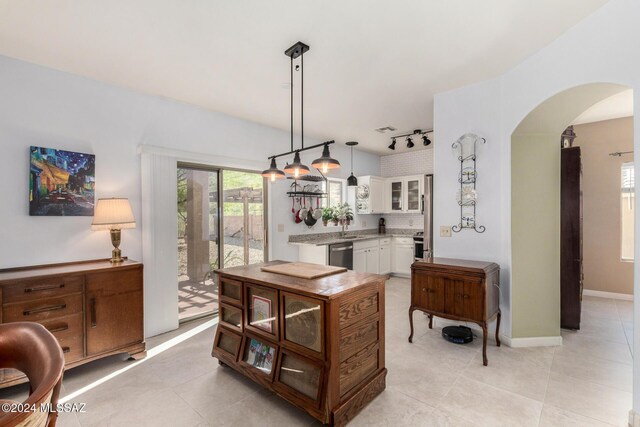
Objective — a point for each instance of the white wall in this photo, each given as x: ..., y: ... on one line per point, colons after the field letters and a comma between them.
x: 598, y: 49
x: 44, y: 107
x: 413, y: 162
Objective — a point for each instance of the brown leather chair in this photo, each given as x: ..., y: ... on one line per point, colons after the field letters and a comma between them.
x: 32, y: 349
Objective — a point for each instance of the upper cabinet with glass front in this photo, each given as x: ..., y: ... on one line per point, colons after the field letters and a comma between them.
x: 404, y: 194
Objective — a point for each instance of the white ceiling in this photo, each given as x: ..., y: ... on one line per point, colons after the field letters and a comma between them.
x: 614, y: 107
x: 371, y: 63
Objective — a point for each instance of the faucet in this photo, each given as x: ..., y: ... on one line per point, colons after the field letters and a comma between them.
x: 343, y: 224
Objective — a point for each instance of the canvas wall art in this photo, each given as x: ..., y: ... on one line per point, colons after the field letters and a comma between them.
x: 61, y: 183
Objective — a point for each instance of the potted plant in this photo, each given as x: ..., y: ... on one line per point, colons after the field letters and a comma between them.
x: 338, y: 215
x: 327, y: 215
x: 348, y: 213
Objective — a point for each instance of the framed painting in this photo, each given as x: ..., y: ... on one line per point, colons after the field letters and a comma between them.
x: 61, y: 183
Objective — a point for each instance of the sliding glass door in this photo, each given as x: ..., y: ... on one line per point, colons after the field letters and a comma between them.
x: 243, y: 218
x: 198, y: 240
x: 211, y: 200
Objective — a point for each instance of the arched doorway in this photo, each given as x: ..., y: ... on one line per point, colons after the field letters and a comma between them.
x: 535, y: 209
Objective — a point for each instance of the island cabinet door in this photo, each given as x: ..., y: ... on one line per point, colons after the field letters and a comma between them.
x: 262, y: 311
x: 302, y: 322
x: 464, y: 298
x: 428, y: 292
x: 300, y: 378
x: 114, y: 316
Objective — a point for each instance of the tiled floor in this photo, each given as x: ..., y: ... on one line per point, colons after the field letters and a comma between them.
x: 586, y: 382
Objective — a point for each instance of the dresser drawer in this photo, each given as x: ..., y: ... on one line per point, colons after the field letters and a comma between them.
x: 72, y: 347
x: 42, y: 288
x: 63, y: 327
x: 42, y: 309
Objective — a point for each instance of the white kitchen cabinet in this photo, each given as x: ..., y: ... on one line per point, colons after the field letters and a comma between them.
x: 402, y: 255
x: 384, y: 259
x: 370, y: 195
x: 404, y: 194
x: 372, y: 260
x: 360, y: 260
x: 365, y: 256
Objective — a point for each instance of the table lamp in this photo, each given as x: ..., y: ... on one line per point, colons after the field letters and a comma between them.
x: 113, y: 215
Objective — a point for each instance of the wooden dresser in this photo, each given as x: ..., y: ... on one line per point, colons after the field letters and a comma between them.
x: 318, y: 343
x: 456, y: 289
x: 93, y: 308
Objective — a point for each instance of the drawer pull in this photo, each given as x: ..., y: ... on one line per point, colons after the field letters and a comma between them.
x: 59, y: 328
x: 94, y: 322
x: 44, y: 309
x: 429, y: 290
x: 43, y: 288
x: 66, y: 349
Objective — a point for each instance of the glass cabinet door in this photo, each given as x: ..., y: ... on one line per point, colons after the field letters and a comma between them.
x: 303, y: 322
x: 413, y: 195
x: 300, y: 374
x: 396, y: 196
x: 262, y: 310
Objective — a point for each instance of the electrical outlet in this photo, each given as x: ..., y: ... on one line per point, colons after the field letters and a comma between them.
x: 280, y: 228
x: 445, y: 231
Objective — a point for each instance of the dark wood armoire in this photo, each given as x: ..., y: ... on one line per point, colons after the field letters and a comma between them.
x: 571, y: 276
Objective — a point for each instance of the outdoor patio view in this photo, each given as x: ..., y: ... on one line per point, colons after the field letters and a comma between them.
x: 200, y: 248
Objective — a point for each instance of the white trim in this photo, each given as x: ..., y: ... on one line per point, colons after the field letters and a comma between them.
x: 531, y: 341
x: 207, y: 159
x: 603, y: 294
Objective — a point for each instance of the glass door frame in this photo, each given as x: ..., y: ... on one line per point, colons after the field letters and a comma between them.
x: 265, y: 203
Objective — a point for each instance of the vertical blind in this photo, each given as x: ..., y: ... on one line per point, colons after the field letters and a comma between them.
x: 628, y: 178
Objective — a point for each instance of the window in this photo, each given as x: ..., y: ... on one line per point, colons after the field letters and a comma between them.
x: 627, y: 205
x: 335, y: 192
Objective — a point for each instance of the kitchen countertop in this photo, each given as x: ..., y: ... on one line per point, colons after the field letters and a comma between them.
x: 320, y: 239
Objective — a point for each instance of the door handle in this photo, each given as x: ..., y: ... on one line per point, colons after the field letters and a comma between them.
x: 43, y: 288
x: 94, y: 322
x: 44, y: 309
x: 346, y: 248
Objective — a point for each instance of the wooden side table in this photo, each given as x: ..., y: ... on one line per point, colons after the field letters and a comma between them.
x: 456, y: 289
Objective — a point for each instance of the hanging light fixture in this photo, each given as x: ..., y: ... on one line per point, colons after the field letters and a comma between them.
x: 410, y: 143
x: 325, y: 162
x: 273, y: 172
x: 297, y: 168
x: 393, y: 144
x: 352, y: 181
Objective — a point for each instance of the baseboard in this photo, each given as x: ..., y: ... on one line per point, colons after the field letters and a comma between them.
x: 603, y: 294
x: 634, y: 419
x: 531, y: 341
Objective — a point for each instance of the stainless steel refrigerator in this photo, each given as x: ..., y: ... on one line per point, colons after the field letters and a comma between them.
x: 427, y: 210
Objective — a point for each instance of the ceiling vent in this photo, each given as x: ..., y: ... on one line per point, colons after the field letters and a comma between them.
x: 386, y: 129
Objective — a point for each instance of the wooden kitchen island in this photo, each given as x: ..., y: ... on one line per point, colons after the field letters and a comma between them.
x: 317, y: 343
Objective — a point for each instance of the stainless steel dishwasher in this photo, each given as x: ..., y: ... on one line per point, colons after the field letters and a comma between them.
x: 341, y: 255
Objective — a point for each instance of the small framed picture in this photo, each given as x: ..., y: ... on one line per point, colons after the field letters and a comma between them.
x: 261, y: 313
x: 260, y: 355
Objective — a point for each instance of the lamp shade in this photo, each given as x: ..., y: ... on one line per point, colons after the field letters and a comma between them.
x: 112, y: 214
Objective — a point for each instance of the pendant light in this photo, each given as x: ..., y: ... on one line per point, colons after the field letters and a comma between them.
x: 273, y: 172
x: 325, y: 162
x: 296, y: 168
x: 352, y: 181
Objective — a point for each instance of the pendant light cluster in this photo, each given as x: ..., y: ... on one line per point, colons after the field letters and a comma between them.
x: 410, y: 144
x: 297, y: 168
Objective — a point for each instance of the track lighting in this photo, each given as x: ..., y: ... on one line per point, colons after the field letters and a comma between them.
x: 410, y: 144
